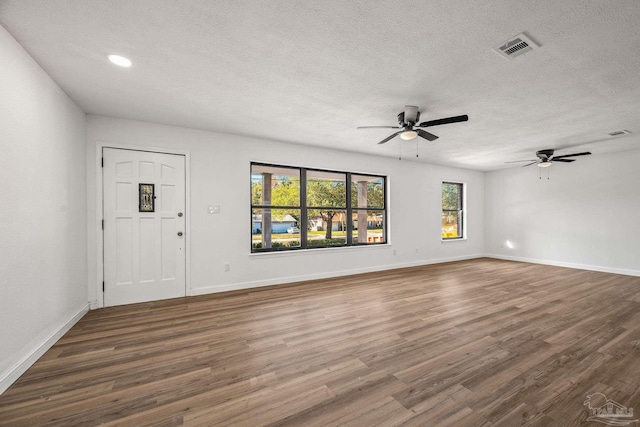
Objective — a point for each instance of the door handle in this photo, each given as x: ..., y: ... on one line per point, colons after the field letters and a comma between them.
x: 179, y: 233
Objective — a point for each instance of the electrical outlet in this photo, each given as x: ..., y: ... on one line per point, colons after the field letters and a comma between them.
x: 227, y: 266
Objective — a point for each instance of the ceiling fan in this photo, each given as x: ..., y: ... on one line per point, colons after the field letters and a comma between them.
x: 408, y: 122
x: 546, y: 158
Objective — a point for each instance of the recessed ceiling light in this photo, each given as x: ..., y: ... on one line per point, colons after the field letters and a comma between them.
x: 120, y: 60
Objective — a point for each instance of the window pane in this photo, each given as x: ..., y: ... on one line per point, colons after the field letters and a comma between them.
x: 327, y: 227
x: 275, y: 186
x: 368, y: 226
x: 451, y: 196
x: 275, y: 228
x: 367, y: 191
x: 451, y: 227
x: 326, y: 189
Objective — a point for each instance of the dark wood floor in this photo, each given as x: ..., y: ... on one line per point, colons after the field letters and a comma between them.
x: 473, y: 343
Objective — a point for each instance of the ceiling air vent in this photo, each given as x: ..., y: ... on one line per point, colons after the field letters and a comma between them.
x: 515, y: 46
x: 619, y: 132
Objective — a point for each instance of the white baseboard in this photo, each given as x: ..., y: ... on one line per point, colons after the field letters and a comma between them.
x: 32, y: 355
x: 93, y: 305
x: 567, y: 264
x: 327, y: 275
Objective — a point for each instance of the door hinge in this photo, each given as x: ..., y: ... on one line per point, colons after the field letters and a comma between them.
x: 103, y: 224
x: 103, y: 286
x: 102, y: 162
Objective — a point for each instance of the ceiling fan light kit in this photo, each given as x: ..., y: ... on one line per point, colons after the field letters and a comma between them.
x: 408, y: 121
x: 408, y: 135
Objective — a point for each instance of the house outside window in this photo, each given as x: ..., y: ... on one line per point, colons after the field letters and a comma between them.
x: 453, y: 197
x: 301, y: 208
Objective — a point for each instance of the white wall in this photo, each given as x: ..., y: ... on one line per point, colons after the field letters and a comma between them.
x: 43, y: 261
x: 587, y: 215
x: 220, y: 176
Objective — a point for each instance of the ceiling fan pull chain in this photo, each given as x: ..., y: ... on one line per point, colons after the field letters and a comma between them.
x: 400, y: 151
x: 416, y: 147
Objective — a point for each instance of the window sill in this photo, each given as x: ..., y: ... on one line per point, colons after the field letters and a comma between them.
x: 298, y: 252
x: 464, y: 239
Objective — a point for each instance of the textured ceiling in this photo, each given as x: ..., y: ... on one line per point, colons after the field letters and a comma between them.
x: 310, y: 72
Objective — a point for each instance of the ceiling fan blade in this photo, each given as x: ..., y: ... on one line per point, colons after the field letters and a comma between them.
x: 454, y: 119
x: 389, y: 138
x: 586, y: 153
x: 563, y: 160
x: 521, y: 161
x: 426, y: 135
x: 378, y: 127
x: 529, y: 164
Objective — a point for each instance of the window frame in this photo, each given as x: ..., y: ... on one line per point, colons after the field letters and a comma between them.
x: 461, y: 211
x: 349, y: 210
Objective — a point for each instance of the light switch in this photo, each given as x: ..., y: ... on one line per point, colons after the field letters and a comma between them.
x: 214, y: 209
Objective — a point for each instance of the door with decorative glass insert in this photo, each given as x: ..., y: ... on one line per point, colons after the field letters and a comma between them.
x: 144, y: 224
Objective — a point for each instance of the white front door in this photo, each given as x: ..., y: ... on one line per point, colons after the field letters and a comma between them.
x: 144, y: 224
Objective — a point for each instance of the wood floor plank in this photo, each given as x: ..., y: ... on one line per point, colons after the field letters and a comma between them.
x: 481, y: 342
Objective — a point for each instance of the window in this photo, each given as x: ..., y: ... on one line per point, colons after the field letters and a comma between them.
x: 452, y: 210
x: 326, y: 208
x: 367, y: 202
x: 299, y: 208
x: 275, y: 207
